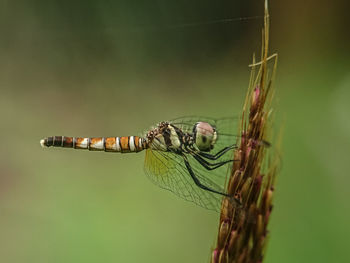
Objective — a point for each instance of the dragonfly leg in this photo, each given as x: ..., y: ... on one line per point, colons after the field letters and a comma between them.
x: 198, y: 183
x: 202, y: 186
x: 210, y: 166
x: 218, y: 154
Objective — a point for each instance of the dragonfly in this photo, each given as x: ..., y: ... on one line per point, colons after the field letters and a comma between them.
x: 189, y: 156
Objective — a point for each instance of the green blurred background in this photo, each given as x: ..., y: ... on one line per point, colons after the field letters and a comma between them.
x: 114, y: 68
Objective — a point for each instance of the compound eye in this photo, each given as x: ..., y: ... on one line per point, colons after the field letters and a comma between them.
x: 204, y: 135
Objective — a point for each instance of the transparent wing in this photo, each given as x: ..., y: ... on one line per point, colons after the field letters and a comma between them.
x: 227, y: 125
x: 227, y: 129
x: 168, y: 171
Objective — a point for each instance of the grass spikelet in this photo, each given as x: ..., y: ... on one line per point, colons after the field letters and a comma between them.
x: 242, y: 235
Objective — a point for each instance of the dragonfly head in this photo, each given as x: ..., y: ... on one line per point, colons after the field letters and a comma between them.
x: 204, y: 136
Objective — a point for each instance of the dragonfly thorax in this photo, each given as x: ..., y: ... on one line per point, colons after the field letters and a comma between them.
x: 165, y: 137
x: 204, y: 136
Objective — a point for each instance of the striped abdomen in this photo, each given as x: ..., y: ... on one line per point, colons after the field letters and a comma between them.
x: 109, y: 144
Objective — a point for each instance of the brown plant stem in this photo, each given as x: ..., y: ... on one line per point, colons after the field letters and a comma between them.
x: 242, y: 235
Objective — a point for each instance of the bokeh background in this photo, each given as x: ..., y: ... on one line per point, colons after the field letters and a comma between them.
x: 114, y: 68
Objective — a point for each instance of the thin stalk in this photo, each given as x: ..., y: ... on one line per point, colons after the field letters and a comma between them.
x: 242, y: 235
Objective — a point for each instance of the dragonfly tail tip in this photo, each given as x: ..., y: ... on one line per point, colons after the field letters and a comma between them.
x: 42, y: 143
